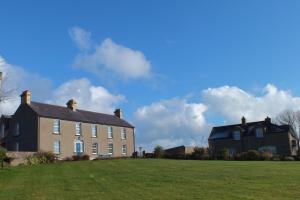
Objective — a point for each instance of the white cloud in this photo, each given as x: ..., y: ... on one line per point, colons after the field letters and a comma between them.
x: 169, y: 123
x: 16, y: 79
x: 231, y: 103
x: 109, y: 57
x: 81, y: 37
x: 88, y: 96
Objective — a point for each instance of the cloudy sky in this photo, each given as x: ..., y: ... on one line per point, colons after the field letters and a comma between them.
x: 176, y: 68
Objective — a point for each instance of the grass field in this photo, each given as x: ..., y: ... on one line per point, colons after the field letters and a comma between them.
x: 152, y: 179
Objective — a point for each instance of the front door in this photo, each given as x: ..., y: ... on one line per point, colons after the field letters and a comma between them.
x: 78, y: 148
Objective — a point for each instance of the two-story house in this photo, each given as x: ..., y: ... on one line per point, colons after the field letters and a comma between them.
x: 66, y: 131
x: 260, y: 136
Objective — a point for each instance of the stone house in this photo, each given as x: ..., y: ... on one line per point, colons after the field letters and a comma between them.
x: 66, y: 131
x: 260, y: 136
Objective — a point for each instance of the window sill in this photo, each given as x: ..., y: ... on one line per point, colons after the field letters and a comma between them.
x: 94, y: 153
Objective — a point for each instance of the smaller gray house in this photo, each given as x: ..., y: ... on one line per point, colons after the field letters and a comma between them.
x: 260, y: 136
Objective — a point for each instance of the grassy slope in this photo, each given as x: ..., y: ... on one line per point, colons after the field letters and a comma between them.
x: 152, y: 179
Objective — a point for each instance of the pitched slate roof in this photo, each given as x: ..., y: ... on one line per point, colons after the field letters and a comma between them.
x: 248, y: 129
x: 64, y: 113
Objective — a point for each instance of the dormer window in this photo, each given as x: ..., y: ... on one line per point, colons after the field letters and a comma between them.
x: 259, y: 132
x: 236, y: 135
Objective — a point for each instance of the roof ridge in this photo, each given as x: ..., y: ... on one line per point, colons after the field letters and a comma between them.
x: 67, y: 108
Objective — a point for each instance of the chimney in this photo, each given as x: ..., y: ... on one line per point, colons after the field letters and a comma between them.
x: 25, y: 97
x: 72, y: 104
x: 119, y: 113
x: 268, y: 120
x: 243, y: 120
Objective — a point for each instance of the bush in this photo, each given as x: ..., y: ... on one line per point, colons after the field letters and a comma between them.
x: 288, y: 158
x: 224, y: 154
x: 200, y: 153
x: 249, y: 155
x: 159, y: 152
x: 40, y: 158
x: 85, y: 157
x: 80, y: 157
x: 266, y: 155
x: 275, y: 158
x: 2, y: 156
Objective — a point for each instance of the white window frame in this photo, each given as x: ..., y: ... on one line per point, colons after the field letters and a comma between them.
x: 95, y: 148
x: 123, y: 134
x: 110, y: 148
x: 94, y: 130
x: 259, y: 132
x: 78, y: 127
x: 81, y: 146
x: 236, y: 135
x: 56, y: 126
x: 56, y: 147
x: 124, y: 149
x: 110, y: 132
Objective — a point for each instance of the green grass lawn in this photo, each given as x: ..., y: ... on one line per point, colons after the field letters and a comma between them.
x: 152, y: 179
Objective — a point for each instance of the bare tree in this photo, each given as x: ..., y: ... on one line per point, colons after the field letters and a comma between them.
x: 290, y: 117
x: 6, y: 93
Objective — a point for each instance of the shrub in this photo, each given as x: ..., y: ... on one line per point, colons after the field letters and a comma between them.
x: 40, y: 158
x: 80, y: 157
x: 275, y: 158
x: 249, y: 155
x: 67, y: 159
x: 266, y: 155
x: 85, y: 157
x: 288, y: 158
x: 253, y: 155
x: 200, y: 153
x: 224, y: 154
x: 2, y: 156
x: 159, y: 152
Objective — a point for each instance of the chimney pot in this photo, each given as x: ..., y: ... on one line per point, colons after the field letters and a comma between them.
x: 26, y: 97
x: 72, y: 104
x: 268, y: 120
x: 119, y: 113
x: 244, y: 120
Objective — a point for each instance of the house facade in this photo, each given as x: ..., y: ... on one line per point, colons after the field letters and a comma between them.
x: 66, y: 131
x: 260, y: 136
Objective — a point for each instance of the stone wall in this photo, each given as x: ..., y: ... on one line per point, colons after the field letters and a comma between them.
x: 18, y: 157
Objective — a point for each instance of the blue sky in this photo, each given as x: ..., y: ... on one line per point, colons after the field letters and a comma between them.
x: 189, y: 46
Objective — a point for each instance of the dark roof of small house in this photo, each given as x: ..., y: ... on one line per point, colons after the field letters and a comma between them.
x: 64, y: 113
x: 248, y: 129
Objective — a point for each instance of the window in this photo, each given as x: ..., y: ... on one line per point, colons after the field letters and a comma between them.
x: 109, y: 132
x: 78, y: 146
x: 94, y: 148
x: 123, y: 134
x: 236, y: 135
x: 16, y: 130
x: 124, y: 149
x: 2, y: 131
x: 56, y: 149
x: 78, y: 128
x: 110, y: 148
x: 17, y: 146
x: 259, y: 133
x: 94, y: 130
x: 56, y: 126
